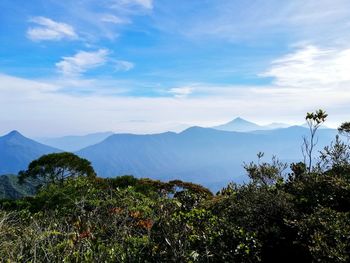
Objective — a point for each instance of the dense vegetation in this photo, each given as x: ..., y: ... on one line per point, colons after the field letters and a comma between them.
x: 301, y: 214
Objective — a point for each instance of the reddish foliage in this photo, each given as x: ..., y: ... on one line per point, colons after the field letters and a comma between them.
x: 147, y: 223
x: 115, y: 210
x: 85, y: 234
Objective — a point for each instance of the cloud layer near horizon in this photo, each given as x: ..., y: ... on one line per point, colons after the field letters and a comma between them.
x: 303, y: 81
x: 150, y: 66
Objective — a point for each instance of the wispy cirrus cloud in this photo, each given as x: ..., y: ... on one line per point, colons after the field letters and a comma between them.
x: 123, y: 65
x: 238, y: 21
x: 181, y: 92
x: 147, y: 4
x: 48, y: 29
x: 81, y: 62
x: 97, y: 20
x: 113, y: 19
x: 312, y: 66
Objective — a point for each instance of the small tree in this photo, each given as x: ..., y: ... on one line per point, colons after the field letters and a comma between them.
x: 265, y: 174
x: 314, y: 120
x: 344, y: 129
x: 56, y: 167
x: 335, y: 157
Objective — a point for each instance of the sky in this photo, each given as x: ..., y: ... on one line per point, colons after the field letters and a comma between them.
x: 146, y: 66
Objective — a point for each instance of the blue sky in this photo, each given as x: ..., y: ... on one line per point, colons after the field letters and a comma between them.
x: 154, y: 65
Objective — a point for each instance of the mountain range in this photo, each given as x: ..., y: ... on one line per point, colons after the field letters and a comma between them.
x: 202, y: 155
x: 74, y: 143
x: 242, y: 125
x: 208, y: 156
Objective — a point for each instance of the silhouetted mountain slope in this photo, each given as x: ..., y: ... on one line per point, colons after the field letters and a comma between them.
x: 75, y: 143
x: 197, y: 154
x: 11, y: 189
x: 17, y: 151
x: 132, y: 154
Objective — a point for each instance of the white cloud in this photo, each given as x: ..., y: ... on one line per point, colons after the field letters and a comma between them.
x: 122, y: 65
x: 145, y: 3
x: 312, y: 67
x: 48, y: 29
x: 148, y: 4
x: 82, y: 61
x: 108, y: 18
x: 181, y: 92
x: 305, y: 80
x: 38, y: 108
x: 92, y: 19
x: 259, y: 20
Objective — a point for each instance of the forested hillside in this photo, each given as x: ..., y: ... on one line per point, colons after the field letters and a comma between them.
x: 10, y: 188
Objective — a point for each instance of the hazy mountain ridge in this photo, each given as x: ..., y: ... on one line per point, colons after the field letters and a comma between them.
x: 197, y: 154
x: 73, y: 143
x: 202, y: 155
x: 17, y: 151
x: 241, y: 125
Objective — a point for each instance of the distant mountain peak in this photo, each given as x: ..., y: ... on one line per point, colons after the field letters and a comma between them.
x: 238, y: 124
x: 242, y: 125
x: 241, y: 120
x: 192, y: 129
x: 14, y: 133
x: 17, y: 151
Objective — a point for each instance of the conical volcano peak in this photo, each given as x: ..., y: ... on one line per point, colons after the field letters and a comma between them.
x: 14, y: 133
x: 240, y: 120
x: 238, y: 124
